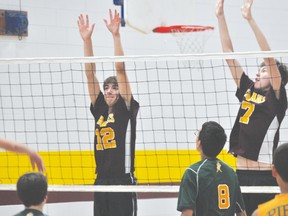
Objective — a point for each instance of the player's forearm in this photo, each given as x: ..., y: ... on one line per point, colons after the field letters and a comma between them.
x: 261, y: 39
x: 226, y: 42
x: 88, y: 48
x: 271, y: 62
x: 13, y: 146
x: 118, y: 51
x: 90, y: 68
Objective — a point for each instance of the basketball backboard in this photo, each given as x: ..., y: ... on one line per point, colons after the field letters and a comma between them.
x: 145, y: 15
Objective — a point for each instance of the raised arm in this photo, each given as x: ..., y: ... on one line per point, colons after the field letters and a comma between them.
x: 90, y: 68
x: 234, y: 65
x: 122, y: 79
x: 270, y: 63
x: 35, y: 158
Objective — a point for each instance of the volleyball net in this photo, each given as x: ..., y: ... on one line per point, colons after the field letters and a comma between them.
x: 44, y: 104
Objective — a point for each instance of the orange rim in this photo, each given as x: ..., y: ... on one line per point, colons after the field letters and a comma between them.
x: 182, y: 28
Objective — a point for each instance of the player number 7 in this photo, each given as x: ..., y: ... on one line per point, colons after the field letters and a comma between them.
x: 249, y: 107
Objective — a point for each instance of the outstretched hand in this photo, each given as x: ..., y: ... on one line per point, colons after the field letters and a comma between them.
x: 114, y: 24
x: 35, y: 159
x: 246, y: 9
x: 84, y: 28
x: 219, y: 8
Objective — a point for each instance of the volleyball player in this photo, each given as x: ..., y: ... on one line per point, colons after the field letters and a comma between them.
x: 255, y: 133
x: 279, y: 205
x: 35, y: 158
x: 32, y: 190
x: 115, y: 114
x: 210, y: 186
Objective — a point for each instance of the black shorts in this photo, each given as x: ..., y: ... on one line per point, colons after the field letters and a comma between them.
x: 255, y: 178
x: 115, y: 203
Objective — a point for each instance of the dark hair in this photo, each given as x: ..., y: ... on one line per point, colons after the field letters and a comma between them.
x: 110, y: 80
x: 280, y: 161
x: 32, y: 188
x: 282, y: 69
x: 213, y: 138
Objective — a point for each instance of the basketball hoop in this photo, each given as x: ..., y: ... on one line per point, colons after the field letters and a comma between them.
x: 189, y: 38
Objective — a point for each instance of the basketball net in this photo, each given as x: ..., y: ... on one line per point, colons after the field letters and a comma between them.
x: 189, y: 38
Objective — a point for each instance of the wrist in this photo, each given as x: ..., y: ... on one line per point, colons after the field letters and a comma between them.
x: 250, y: 19
x: 87, y: 40
x: 30, y: 152
x: 116, y: 35
x: 221, y: 16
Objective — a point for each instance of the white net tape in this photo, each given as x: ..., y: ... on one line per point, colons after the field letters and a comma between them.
x: 141, y: 189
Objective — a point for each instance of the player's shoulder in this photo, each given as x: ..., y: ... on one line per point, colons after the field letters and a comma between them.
x: 194, y: 168
x: 200, y: 165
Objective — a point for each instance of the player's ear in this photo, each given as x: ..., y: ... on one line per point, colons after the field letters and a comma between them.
x: 274, y: 171
x: 198, y: 145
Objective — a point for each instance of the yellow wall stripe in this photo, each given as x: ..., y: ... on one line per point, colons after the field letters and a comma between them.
x: 77, y: 167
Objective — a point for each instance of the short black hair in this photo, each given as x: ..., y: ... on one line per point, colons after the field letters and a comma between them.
x: 213, y: 138
x: 282, y: 69
x: 32, y: 188
x: 110, y: 80
x: 280, y: 161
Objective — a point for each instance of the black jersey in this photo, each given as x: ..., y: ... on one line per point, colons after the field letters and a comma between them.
x: 255, y: 134
x: 115, y: 134
x: 210, y: 187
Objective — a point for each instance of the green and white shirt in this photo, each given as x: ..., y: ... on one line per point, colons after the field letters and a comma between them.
x: 30, y: 212
x: 210, y: 187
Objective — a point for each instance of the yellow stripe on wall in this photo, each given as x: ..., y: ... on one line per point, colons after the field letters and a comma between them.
x: 78, y: 167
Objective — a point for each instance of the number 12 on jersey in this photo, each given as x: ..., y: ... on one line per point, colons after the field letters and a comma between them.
x: 105, y: 138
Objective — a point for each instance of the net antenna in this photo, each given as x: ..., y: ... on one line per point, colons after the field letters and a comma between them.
x: 189, y: 38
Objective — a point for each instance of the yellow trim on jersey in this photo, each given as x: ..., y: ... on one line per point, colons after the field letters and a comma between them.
x: 78, y: 167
